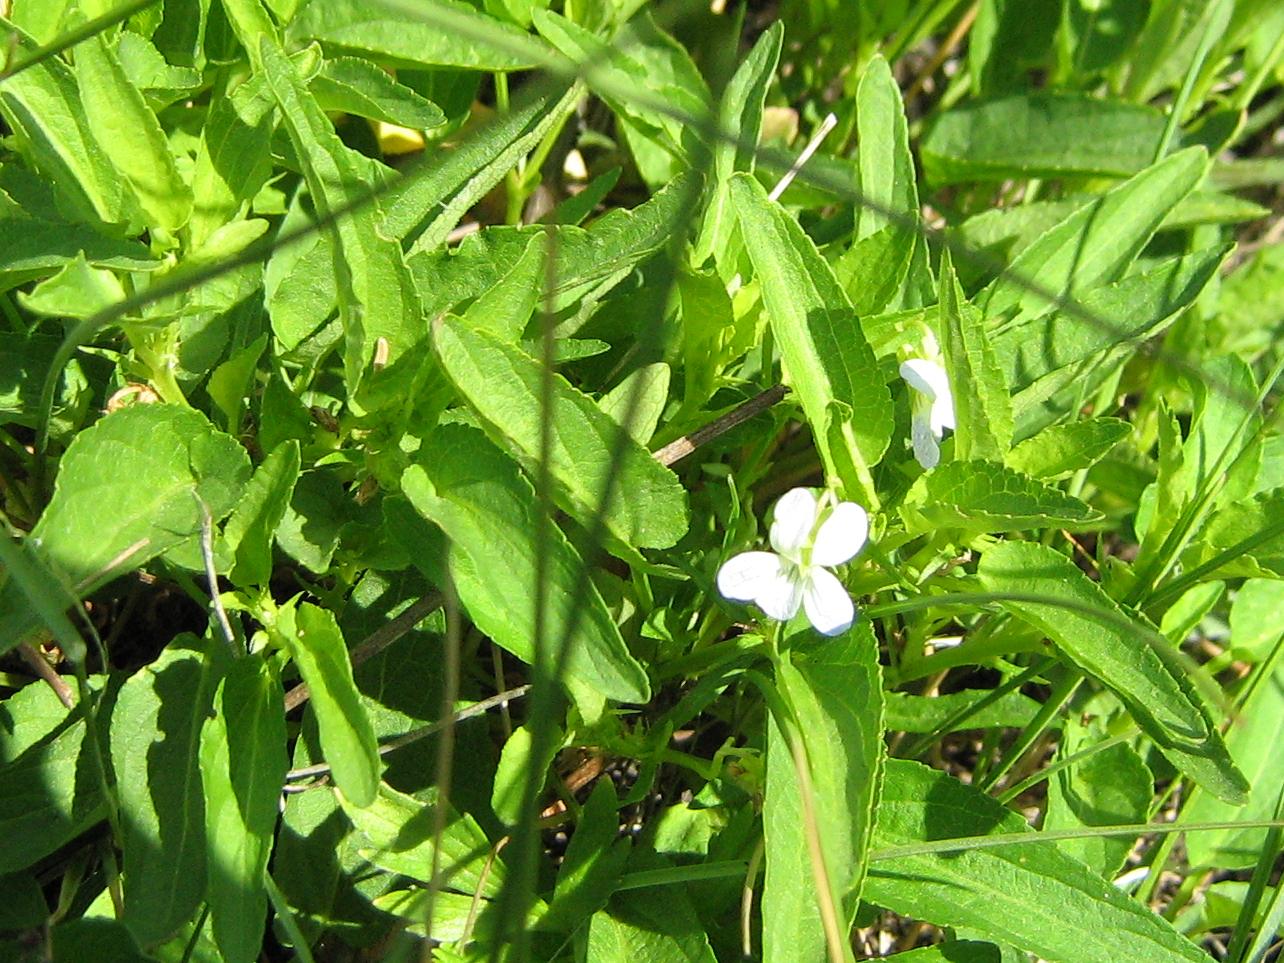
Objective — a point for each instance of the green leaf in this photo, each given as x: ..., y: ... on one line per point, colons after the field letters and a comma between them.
x: 76, y: 291
x: 643, y: 58
x: 42, y: 20
x: 1096, y: 243
x: 43, y: 106
x: 1110, y: 787
x: 155, y: 743
x: 34, y: 248
x: 649, y: 924
x: 230, y: 382
x: 647, y: 508
x: 131, y: 136
x: 422, y: 210
x: 354, y: 86
x: 1254, y: 627
x: 1043, y: 134
x: 234, y: 159
x: 911, y: 713
x: 49, y: 793
x: 641, y: 398
x: 299, y: 281
x: 982, y: 407
x: 312, y: 637
x: 981, y: 496
x: 477, y: 496
x: 875, y: 268
x: 514, y: 767
x: 587, y: 261
x: 1093, y: 37
x: 886, y: 264
x: 1237, y: 523
x: 377, y: 301
x: 1061, y: 450
x: 505, y: 307
x: 126, y: 491
x: 835, y: 695
x: 243, y: 765
x: 311, y: 527
x: 740, y: 115
x: 158, y: 81
x: 1121, y: 651
x: 1224, y: 431
x: 127, y: 488
x: 249, y: 21
x: 434, y: 33
x: 826, y: 356
x: 593, y: 863
x: 398, y: 836
x: 1111, y: 314
x: 952, y: 951
x: 95, y: 938
x: 1017, y: 894
x: 1252, y: 741
x: 250, y: 528
x: 889, y: 193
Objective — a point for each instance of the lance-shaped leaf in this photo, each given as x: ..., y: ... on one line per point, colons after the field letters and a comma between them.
x: 243, y: 765
x: 429, y: 33
x: 377, y: 299
x: 1111, y: 314
x: 740, y: 118
x: 587, y: 261
x: 826, y: 356
x: 981, y: 496
x: 359, y: 87
x: 426, y: 206
x: 43, y: 106
x: 50, y: 792
x: 234, y: 159
x: 1096, y: 243
x: 887, y: 179
x: 647, y: 506
x: 1121, y: 651
x: 155, y: 741
x: 982, y: 406
x: 1061, y: 450
x: 1046, y: 134
x: 399, y: 835
x: 480, y: 499
x: 1016, y: 894
x: 131, y: 136
x: 835, y: 693
x: 249, y: 530
x: 313, y: 639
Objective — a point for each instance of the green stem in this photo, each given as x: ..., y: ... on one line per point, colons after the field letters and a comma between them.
x: 1246, y: 93
x: 994, y: 695
x: 1012, y: 792
x: 1062, y: 691
x: 1178, y: 107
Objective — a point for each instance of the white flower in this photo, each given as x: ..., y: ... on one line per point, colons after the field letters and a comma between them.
x: 807, y: 534
x: 931, y: 408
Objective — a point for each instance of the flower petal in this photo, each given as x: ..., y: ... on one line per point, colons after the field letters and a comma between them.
x: 782, y: 597
x: 943, y: 411
x: 926, y: 377
x: 744, y: 577
x: 793, y: 519
x: 828, y: 606
x: 926, y: 449
x: 841, y: 535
